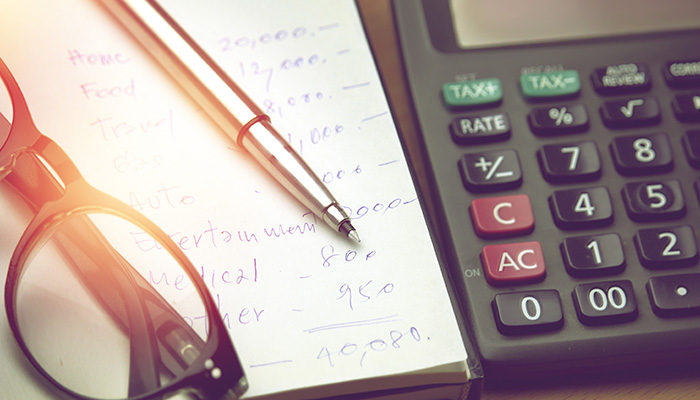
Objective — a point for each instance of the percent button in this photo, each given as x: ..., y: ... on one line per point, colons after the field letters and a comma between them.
x: 557, y: 120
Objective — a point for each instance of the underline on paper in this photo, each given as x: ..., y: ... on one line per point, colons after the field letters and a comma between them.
x: 352, y: 324
x: 355, y: 86
x: 387, y: 163
x: 270, y: 363
x: 375, y: 116
x: 329, y: 26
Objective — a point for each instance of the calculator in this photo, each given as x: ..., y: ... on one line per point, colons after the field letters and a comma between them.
x: 562, y: 150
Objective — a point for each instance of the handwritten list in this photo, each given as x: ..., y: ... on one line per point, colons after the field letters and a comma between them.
x: 305, y: 307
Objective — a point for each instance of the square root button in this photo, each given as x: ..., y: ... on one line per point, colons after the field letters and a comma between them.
x: 502, y: 216
x: 513, y: 263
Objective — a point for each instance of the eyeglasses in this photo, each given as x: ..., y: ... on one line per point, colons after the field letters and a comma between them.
x: 85, y: 302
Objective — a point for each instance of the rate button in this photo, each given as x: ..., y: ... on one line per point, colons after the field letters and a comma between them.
x: 480, y: 128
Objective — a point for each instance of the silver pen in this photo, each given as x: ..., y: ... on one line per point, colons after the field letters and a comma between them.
x: 228, y: 105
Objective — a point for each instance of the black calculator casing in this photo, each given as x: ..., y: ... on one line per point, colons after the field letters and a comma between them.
x: 639, y: 339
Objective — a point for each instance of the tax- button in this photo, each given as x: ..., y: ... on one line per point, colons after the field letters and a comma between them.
x: 502, y: 216
x: 550, y: 84
x: 472, y: 93
x: 513, y: 263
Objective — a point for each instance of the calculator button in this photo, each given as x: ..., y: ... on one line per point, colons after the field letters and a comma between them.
x: 654, y: 201
x: 670, y: 247
x: 682, y: 74
x: 569, y: 162
x: 581, y: 207
x: 593, y: 255
x: 559, y: 119
x: 600, y: 303
x: 489, y: 171
x: 472, y: 93
x: 621, y: 78
x: 528, y: 312
x: 550, y: 84
x: 513, y: 263
x: 480, y: 128
x: 675, y: 295
x: 642, y: 155
x: 687, y: 107
x: 691, y: 145
x: 502, y: 216
x: 631, y: 112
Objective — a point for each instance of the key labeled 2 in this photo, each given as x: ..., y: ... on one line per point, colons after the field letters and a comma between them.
x: 667, y: 247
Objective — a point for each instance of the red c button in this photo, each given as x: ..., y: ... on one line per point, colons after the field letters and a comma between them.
x: 496, y: 217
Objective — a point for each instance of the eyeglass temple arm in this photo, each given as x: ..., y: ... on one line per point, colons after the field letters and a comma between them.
x: 83, y: 241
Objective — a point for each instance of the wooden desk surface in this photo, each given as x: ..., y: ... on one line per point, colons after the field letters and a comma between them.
x: 680, y: 383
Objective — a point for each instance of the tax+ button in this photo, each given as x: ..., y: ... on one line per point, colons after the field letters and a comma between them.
x: 502, y: 216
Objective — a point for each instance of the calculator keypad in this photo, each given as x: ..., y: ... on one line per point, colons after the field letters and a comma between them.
x: 647, y: 197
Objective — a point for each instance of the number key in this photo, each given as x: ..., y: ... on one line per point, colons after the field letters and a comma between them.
x: 641, y: 155
x: 666, y: 247
x: 527, y: 312
x: 605, y: 302
x: 652, y: 201
x: 567, y: 162
x: 581, y: 207
x: 593, y: 254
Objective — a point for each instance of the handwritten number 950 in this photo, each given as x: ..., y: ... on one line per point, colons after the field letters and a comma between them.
x: 367, y: 292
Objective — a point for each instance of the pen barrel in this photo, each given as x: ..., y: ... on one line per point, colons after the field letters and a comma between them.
x: 267, y: 146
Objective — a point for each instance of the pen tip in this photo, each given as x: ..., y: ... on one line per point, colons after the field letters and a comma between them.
x: 347, y: 229
x: 354, y: 236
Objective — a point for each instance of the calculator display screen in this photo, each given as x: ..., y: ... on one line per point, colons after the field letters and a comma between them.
x: 487, y: 23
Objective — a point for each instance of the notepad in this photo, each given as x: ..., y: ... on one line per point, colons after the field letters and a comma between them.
x: 311, y: 313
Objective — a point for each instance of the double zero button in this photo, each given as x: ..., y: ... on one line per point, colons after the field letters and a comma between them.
x: 605, y: 302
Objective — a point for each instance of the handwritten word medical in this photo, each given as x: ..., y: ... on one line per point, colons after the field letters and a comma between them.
x: 226, y: 276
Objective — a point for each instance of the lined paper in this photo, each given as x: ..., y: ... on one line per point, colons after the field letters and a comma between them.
x: 306, y: 308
